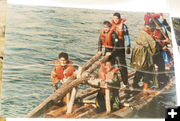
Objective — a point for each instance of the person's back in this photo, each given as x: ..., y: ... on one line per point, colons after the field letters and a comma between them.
x: 143, y: 51
x: 142, y: 58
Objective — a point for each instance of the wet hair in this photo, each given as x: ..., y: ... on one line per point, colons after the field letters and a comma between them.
x: 107, y: 23
x: 63, y: 55
x: 117, y: 14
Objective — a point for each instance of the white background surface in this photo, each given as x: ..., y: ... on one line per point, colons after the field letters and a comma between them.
x: 127, y: 5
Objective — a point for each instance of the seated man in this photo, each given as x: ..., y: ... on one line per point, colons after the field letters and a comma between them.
x: 63, y: 69
x: 107, y: 74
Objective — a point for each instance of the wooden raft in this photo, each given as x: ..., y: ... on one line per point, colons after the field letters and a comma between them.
x: 82, y: 103
x: 88, y: 110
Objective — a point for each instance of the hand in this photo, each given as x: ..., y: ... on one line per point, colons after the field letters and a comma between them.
x: 64, y: 80
x: 102, y: 83
x: 100, y: 52
x: 157, y: 27
x: 128, y: 50
x: 164, y: 48
x: 108, y: 53
x: 166, y: 40
x: 55, y: 80
x: 170, y: 45
x: 156, y: 68
x: 92, y: 77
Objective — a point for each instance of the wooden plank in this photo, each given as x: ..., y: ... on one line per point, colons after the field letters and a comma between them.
x: 88, y: 101
x: 63, y: 90
x: 107, y: 100
x: 90, y: 62
x: 61, y: 112
x: 124, y: 112
x: 73, y: 96
x: 85, y: 93
x: 55, y: 111
x: 78, y: 110
x: 67, y: 98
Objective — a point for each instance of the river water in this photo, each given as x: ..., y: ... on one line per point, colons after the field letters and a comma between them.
x: 34, y: 38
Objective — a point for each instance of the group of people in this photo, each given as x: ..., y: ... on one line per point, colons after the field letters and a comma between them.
x: 150, y: 56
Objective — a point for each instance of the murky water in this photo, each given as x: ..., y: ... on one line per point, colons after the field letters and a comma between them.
x: 34, y: 38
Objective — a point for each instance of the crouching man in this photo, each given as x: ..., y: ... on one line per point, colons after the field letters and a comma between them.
x: 107, y: 74
x: 63, y: 69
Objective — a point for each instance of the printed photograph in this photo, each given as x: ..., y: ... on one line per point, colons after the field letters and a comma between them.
x: 87, y: 63
x: 176, y: 26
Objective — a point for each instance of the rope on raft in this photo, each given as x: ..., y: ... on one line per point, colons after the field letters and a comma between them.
x: 150, y: 72
x: 134, y: 89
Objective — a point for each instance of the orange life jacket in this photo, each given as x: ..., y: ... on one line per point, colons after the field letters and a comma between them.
x: 58, y: 71
x: 106, y: 38
x: 104, y: 75
x: 118, y: 28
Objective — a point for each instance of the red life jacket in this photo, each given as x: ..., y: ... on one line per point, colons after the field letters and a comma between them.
x: 118, y: 28
x: 59, y: 70
x: 106, y: 38
x: 157, y: 35
x: 104, y: 75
